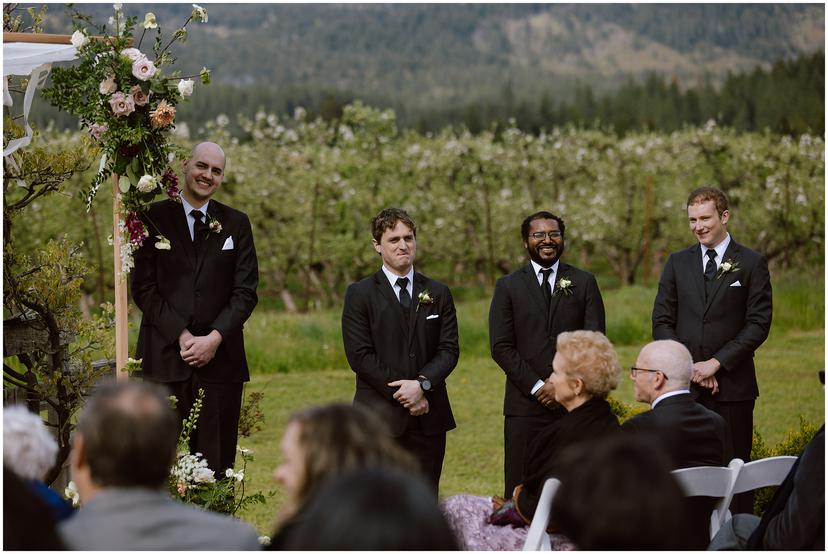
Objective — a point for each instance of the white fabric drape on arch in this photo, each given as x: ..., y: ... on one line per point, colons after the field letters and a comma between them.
x: 35, y: 61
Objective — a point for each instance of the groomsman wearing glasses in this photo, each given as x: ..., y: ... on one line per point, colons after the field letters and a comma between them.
x: 530, y: 307
x: 715, y: 298
x: 400, y: 333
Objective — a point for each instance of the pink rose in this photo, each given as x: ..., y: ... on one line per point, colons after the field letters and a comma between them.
x: 122, y: 104
x: 143, y: 69
x: 108, y: 85
x: 133, y: 54
x: 97, y: 130
x: 138, y: 96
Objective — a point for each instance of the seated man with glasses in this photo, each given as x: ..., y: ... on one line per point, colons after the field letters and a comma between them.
x: 690, y: 434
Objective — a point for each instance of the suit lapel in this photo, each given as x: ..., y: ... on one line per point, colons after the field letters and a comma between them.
x: 732, y: 253
x: 563, y: 271
x: 694, y: 268
x: 415, y: 315
x: 212, y: 241
x: 387, y: 292
x: 181, y: 232
x: 531, y: 281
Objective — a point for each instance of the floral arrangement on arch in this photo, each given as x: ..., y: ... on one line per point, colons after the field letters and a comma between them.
x: 127, y: 103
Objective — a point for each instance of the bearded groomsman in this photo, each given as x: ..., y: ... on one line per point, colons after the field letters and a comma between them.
x: 400, y: 333
x: 715, y: 298
x: 530, y: 307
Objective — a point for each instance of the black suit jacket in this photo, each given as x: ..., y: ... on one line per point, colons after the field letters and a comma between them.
x: 381, y: 347
x: 729, y: 326
x: 523, y: 334
x: 176, y: 290
x: 688, y: 432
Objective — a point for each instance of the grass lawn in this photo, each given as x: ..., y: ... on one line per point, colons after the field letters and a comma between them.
x: 298, y: 361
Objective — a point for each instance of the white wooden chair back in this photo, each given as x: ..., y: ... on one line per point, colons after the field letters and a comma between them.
x: 537, y: 539
x: 712, y: 481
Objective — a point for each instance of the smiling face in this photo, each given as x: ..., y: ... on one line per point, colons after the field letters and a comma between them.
x: 203, y: 173
x: 706, y: 223
x: 397, y: 246
x: 544, y: 251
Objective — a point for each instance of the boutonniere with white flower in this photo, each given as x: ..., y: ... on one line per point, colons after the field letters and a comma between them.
x: 564, y: 286
x: 424, y: 298
x: 728, y: 266
x: 163, y: 243
x: 214, y: 225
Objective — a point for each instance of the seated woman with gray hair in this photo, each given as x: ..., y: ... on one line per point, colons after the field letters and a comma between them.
x: 586, y: 369
x: 29, y: 450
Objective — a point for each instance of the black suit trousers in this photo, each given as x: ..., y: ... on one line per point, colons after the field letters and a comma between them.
x: 428, y: 449
x: 217, y: 430
x: 739, y: 418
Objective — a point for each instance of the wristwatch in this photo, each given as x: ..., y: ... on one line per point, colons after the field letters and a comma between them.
x: 425, y: 384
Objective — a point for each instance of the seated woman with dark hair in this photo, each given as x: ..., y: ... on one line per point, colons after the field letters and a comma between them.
x: 372, y: 509
x: 586, y: 369
x: 326, y: 441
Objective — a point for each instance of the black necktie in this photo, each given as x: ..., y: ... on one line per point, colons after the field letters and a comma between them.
x: 710, y: 268
x: 405, y: 298
x: 547, y: 292
x: 199, y: 229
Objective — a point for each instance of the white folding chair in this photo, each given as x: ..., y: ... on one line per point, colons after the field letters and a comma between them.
x: 766, y: 472
x: 712, y: 481
x: 537, y: 539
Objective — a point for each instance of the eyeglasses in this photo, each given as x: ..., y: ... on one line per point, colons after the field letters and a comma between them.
x: 540, y: 235
x: 634, y: 370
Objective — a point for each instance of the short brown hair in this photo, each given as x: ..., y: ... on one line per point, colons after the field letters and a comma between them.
x: 707, y: 194
x: 387, y: 219
x: 590, y: 357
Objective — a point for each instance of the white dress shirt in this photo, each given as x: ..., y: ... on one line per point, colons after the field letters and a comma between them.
x: 190, y: 219
x: 392, y: 278
x: 720, y: 249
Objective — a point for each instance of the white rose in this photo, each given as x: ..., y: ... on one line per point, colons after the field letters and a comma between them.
x: 240, y: 476
x: 143, y: 69
x: 132, y: 53
x: 79, y: 39
x: 204, y: 475
x: 185, y: 87
x: 147, y: 183
x: 229, y: 472
x: 164, y: 244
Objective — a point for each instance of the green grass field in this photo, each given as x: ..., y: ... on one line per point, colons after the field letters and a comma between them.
x: 298, y: 361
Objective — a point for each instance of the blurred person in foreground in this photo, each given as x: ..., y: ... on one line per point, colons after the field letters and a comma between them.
x: 123, y: 448
x: 373, y: 509
x: 325, y: 441
x: 617, y: 494
x: 690, y: 434
x: 585, y: 370
x: 28, y: 522
x: 29, y: 449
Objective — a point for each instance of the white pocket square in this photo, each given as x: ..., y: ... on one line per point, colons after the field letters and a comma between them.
x: 228, y: 244
x: 735, y: 284
x: 433, y: 316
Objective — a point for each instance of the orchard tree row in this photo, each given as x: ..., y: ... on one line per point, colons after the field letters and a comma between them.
x: 311, y: 188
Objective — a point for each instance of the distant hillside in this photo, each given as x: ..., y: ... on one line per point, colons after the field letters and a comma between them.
x: 419, y: 58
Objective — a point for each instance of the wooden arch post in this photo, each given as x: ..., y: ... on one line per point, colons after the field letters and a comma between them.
x: 121, y: 301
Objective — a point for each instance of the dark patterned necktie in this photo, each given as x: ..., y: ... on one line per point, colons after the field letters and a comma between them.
x: 405, y: 298
x: 547, y: 292
x: 200, y: 230
x: 710, y: 268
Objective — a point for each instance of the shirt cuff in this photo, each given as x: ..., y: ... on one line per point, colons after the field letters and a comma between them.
x: 537, y: 386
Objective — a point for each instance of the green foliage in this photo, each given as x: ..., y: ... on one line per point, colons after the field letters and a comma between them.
x: 193, y: 483
x: 624, y: 411
x: 251, y: 417
x: 792, y: 445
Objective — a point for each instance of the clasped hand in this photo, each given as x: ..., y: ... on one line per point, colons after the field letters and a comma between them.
x: 198, y: 351
x: 704, y: 374
x: 546, y: 394
x: 411, y: 396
